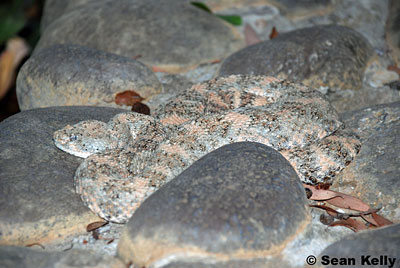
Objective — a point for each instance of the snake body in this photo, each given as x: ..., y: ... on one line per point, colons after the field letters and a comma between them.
x: 133, y: 155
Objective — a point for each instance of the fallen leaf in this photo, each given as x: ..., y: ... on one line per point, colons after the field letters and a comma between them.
x: 320, y: 194
x: 274, y: 33
x: 348, y: 202
x: 232, y: 19
x: 128, y: 98
x: 35, y: 244
x: 351, y: 224
x: 394, y: 69
x: 10, y: 58
x: 6, y: 72
x: 337, y: 199
x: 95, y: 225
x: 368, y: 218
x: 381, y: 221
x: 141, y: 108
x: 201, y: 6
x: 250, y: 35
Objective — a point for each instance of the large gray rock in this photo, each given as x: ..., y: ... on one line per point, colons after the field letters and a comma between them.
x: 164, y: 33
x: 64, y: 75
x: 374, y: 174
x: 321, y: 56
x: 37, y: 194
x: 350, y: 100
x: 368, y: 249
x: 21, y: 257
x: 53, y: 9
x: 242, y: 201
x: 290, y: 8
x: 392, y: 31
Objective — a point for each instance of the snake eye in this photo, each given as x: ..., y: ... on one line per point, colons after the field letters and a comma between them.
x: 73, y: 138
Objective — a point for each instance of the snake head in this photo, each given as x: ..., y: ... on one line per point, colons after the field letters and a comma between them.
x: 85, y: 138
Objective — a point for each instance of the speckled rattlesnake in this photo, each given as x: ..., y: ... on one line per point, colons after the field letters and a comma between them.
x: 133, y: 155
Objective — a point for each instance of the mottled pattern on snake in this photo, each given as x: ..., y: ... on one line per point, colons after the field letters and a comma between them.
x: 134, y: 155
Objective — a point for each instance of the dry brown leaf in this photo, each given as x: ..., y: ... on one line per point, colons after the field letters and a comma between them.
x: 337, y: 199
x: 35, y: 244
x: 351, y: 224
x: 320, y: 194
x: 10, y: 58
x: 128, y: 98
x: 381, y: 221
x: 394, y: 69
x: 95, y: 225
x: 250, y: 35
x: 141, y: 108
x: 274, y: 33
x: 6, y: 72
x: 368, y: 218
x: 348, y: 202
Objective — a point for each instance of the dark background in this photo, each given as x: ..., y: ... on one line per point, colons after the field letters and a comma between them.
x: 17, y: 18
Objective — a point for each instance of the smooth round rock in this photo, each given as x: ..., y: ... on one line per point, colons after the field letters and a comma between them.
x: 368, y: 249
x: 373, y: 176
x: 64, y: 75
x: 321, y: 56
x: 392, y: 31
x: 53, y: 9
x: 23, y: 257
x: 163, y: 34
x: 241, y: 201
x: 347, y: 100
x: 290, y: 8
x: 37, y: 194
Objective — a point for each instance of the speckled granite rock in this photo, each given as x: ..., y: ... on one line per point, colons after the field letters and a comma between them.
x: 242, y: 201
x: 322, y: 56
x: 380, y: 244
x: 22, y: 257
x: 374, y: 174
x: 64, y: 75
x: 37, y: 197
x: 163, y: 33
